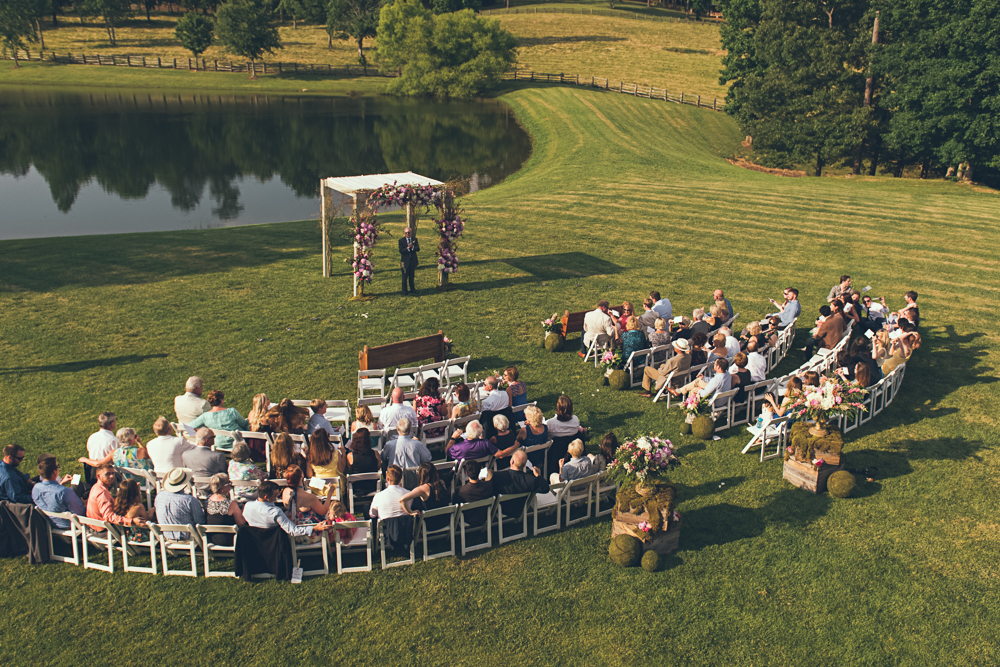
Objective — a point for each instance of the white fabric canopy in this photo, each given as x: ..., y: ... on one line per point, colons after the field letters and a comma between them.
x: 351, y: 184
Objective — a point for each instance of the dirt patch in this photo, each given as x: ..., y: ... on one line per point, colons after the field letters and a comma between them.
x: 790, y: 173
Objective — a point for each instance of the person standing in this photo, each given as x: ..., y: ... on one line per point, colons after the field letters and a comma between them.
x: 408, y: 249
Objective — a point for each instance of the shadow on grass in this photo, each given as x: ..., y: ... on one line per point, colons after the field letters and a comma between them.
x: 76, y: 366
x: 543, y: 268
x: 566, y: 39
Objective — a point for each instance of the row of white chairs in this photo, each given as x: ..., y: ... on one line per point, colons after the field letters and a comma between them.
x: 376, y: 382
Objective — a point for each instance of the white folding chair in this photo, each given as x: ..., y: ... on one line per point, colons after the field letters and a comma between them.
x: 635, y: 365
x: 605, y: 490
x: 322, y: 546
x: 405, y: 378
x: 169, y: 545
x: 244, y: 490
x: 146, y: 479
x: 658, y: 355
x: 544, y: 449
x: 722, y: 406
x: 132, y: 548
x: 71, y: 534
x: 367, y: 498
x: 381, y: 545
x: 663, y: 389
x: 209, y: 548
x: 223, y: 434
x: 300, y: 445
x: 375, y: 404
x: 441, y: 439
x: 447, y: 531
x: 446, y: 469
x: 101, y: 534
x: 371, y: 381
x: 772, y: 431
x: 513, y: 519
x: 486, y: 527
x: 579, y: 492
x: 455, y: 368
x: 361, y: 540
x: 544, y: 503
x: 199, y: 487
x: 435, y: 370
x: 600, y: 343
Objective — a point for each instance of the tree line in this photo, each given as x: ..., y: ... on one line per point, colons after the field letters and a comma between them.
x: 437, y: 46
x: 867, y: 83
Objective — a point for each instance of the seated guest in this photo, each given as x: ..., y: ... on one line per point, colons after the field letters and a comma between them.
x: 564, y: 423
x: 175, y: 506
x: 882, y: 347
x: 516, y: 479
x: 678, y: 364
x: 810, y: 379
x: 772, y: 331
x: 649, y: 316
x: 338, y: 514
x: 430, y: 407
x: 220, y: 418
x: 242, y: 469
x: 50, y: 494
x: 599, y: 326
x: 714, y: 319
x: 603, y: 458
x: 721, y: 381
x: 772, y: 409
x: 430, y: 493
x: 839, y: 289
x: 362, y: 458
x: 166, y: 449
x: 847, y: 309
x: 461, y: 407
x: 100, y: 505
x: 719, y: 349
x: 189, y: 405
x: 863, y: 376
x: 753, y: 332
x: 627, y: 312
x: 473, y: 490
x: 633, y: 339
x: 469, y: 444
x: 395, y: 411
x: 325, y: 460
x: 15, y: 486
x: 128, y: 502
x: 405, y: 451
x: 221, y: 510
x: 829, y: 331
x: 517, y: 392
x: 258, y: 411
x: 741, y: 377
x: 535, y: 432
x: 263, y: 513
x: 303, y: 506
x: 495, y: 400
x: 505, y: 438
x: 662, y: 305
x: 860, y: 351
x: 363, y: 418
x: 285, y: 417
x: 698, y: 355
x: 130, y: 453
x: 698, y: 323
x: 732, y: 343
x: 282, y: 455
x: 789, y: 309
x: 681, y: 329
x: 877, y: 312
x: 201, y: 460
x: 723, y: 313
x: 902, y: 349
x: 756, y: 363
x: 576, y: 468
x: 388, y: 510
x: 660, y: 335
x: 103, y: 442
x: 720, y: 298
x: 318, y: 418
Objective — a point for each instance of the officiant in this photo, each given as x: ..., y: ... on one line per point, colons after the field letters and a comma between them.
x: 408, y: 249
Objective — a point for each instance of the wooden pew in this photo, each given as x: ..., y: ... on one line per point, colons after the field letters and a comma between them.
x: 404, y: 353
x: 573, y: 322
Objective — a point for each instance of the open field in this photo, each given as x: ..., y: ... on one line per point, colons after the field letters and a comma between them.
x: 621, y: 195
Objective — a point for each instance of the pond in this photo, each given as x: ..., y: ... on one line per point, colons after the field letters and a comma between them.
x: 76, y: 163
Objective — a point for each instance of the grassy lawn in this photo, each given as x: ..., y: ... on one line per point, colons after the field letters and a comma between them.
x: 621, y: 196
x: 680, y: 56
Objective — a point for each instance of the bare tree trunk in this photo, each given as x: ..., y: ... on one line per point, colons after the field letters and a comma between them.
x: 253, y: 70
x: 111, y: 32
x: 148, y: 19
x: 925, y: 167
x: 15, y: 57
x: 41, y: 37
x: 873, y: 168
x: 819, y: 165
x: 329, y: 39
x: 869, y: 90
x: 898, y: 171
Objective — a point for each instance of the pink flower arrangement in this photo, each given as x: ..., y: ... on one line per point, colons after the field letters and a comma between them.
x: 695, y: 405
x: 834, y: 398
x: 644, y: 459
x: 645, y: 526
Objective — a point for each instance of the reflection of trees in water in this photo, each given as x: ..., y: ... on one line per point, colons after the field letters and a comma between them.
x: 128, y: 143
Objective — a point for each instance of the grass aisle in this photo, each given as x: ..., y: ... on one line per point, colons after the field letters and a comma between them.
x: 621, y: 195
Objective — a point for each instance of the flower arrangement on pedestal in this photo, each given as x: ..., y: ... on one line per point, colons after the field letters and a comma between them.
x: 553, y: 325
x: 834, y: 398
x: 695, y: 405
x: 642, y: 462
x: 366, y: 230
x: 450, y: 226
x: 611, y: 360
x: 645, y: 506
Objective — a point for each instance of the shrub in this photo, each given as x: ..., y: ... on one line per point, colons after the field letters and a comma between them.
x: 703, y: 427
x: 554, y: 343
x: 626, y: 550
x: 841, y: 484
x: 650, y: 561
x: 618, y: 380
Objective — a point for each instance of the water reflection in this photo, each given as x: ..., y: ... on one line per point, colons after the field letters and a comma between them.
x: 143, y: 148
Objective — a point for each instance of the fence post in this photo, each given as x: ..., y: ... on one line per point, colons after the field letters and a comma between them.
x: 144, y: 61
x: 682, y: 98
x: 128, y: 59
x: 699, y: 101
x: 189, y: 64
x: 621, y: 86
x: 665, y: 95
x: 159, y: 63
x: 715, y: 105
x: 204, y: 64
x: 560, y: 77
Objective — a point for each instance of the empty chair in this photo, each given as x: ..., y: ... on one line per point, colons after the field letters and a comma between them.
x: 772, y: 431
x: 362, y: 498
x: 320, y: 548
x: 579, y: 492
x: 605, y: 490
x: 506, y: 501
x: 406, y: 378
x: 455, y: 368
x: 547, y: 503
x: 371, y: 383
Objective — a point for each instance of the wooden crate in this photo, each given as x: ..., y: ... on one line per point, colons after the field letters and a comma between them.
x: 805, y: 476
x: 829, y: 457
x: 662, y: 544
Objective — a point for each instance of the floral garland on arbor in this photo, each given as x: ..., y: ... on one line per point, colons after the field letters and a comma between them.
x: 450, y: 225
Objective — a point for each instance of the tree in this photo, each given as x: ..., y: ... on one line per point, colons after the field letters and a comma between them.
x: 244, y: 27
x: 195, y: 33
x: 16, y: 25
x: 356, y: 19
x: 114, y: 13
x: 449, y: 55
x: 447, y: 6
x: 149, y: 5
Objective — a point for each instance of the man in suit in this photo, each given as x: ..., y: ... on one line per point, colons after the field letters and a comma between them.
x: 408, y: 249
x: 679, y: 363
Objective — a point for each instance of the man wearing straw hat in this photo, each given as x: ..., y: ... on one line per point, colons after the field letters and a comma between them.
x: 176, y: 507
x: 679, y: 364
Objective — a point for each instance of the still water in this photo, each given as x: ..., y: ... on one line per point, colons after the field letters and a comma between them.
x: 107, y: 162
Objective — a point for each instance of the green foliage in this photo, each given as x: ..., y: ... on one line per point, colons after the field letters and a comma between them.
x: 114, y: 13
x: 841, y: 484
x: 244, y: 27
x: 650, y: 561
x: 660, y: 504
x: 805, y: 445
x: 356, y: 19
x: 445, y: 6
x: 195, y: 33
x: 625, y: 550
x: 449, y: 55
x: 618, y: 380
x: 16, y: 25
x: 555, y: 343
x: 703, y: 427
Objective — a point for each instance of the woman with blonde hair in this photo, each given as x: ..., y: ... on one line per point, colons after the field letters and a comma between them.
x: 723, y: 310
x: 633, y: 339
x: 256, y: 415
x: 535, y: 432
x: 363, y: 418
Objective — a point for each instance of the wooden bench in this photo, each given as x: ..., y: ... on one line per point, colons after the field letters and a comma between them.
x: 573, y: 322
x: 403, y: 353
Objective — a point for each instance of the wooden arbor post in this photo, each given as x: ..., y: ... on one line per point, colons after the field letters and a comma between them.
x: 360, y: 205
x: 324, y: 227
x: 447, y: 203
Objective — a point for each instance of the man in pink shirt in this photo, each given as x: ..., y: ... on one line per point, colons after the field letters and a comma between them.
x: 100, y: 505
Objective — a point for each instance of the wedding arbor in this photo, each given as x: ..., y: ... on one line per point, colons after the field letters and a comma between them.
x: 365, y: 196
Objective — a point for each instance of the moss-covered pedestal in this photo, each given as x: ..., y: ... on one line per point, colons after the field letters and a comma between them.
x: 807, y: 447
x: 631, y: 509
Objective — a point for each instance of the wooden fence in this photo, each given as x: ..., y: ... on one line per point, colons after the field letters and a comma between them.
x: 634, y: 89
x: 711, y: 18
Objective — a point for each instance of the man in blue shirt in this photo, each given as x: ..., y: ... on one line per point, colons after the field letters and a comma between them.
x: 15, y: 486
x: 404, y: 451
x: 787, y: 311
x: 173, y: 506
x: 51, y: 496
x: 263, y: 513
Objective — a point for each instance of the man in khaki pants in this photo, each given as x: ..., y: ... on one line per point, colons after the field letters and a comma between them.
x: 679, y: 364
